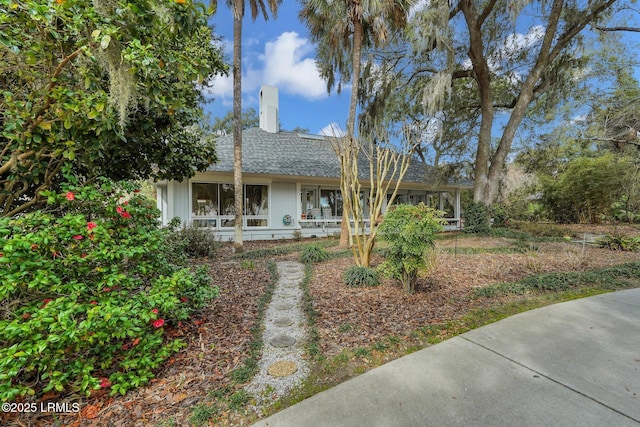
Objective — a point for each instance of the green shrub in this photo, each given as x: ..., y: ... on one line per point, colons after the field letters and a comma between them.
x: 620, y: 242
x: 86, y: 294
x: 410, y: 233
x: 361, y: 276
x: 313, y: 253
x: 586, y: 190
x: 191, y: 240
x: 500, y: 214
x: 476, y: 218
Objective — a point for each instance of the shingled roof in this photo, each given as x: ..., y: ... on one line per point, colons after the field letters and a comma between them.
x: 293, y: 154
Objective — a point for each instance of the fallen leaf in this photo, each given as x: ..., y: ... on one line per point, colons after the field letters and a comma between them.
x: 90, y: 412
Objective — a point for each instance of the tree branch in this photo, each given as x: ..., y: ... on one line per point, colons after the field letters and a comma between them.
x: 630, y: 29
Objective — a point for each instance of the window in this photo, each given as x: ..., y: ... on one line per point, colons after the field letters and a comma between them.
x: 213, y: 205
x: 331, y: 203
x: 204, y: 201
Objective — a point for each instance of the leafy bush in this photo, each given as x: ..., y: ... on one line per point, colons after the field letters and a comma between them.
x: 86, y: 294
x: 361, y: 276
x: 192, y: 240
x: 410, y: 233
x: 620, y: 242
x: 587, y: 189
x: 500, y: 214
x: 313, y: 253
x: 476, y: 218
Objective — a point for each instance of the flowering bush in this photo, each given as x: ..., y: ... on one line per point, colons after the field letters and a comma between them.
x: 87, y: 290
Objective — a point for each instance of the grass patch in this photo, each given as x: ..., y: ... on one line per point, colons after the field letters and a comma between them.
x: 202, y: 413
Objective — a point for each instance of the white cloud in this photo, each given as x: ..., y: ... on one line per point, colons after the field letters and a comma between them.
x: 286, y: 62
x: 332, y: 129
x: 514, y: 44
x: 289, y: 64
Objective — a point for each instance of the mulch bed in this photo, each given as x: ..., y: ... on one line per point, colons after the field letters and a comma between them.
x: 218, y: 342
x: 219, y: 338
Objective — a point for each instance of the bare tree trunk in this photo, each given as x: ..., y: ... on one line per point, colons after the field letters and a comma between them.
x: 237, y: 125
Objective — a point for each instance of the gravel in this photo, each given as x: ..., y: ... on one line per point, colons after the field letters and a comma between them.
x: 285, y: 308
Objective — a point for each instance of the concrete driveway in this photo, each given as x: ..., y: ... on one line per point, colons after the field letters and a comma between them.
x: 570, y: 364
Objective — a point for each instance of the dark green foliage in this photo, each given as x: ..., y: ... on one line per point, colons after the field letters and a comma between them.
x: 357, y: 276
x: 86, y: 293
x: 313, y: 253
x: 500, y: 214
x: 586, y: 190
x: 194, y: 241
x: 476, y: 218
x: 118, y: 94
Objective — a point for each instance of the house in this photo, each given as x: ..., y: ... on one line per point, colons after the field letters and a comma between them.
x: 291, y: 184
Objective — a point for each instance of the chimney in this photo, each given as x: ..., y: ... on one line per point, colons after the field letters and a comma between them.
x: 269, y: 109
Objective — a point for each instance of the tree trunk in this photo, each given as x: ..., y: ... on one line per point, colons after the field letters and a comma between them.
x: 345, y: 238
x: 489, y: 167
x: 482, y: 77
x: 237, y: 126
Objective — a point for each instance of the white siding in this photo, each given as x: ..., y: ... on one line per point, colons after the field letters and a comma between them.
x: 179, y: 205
x: 284, y: 199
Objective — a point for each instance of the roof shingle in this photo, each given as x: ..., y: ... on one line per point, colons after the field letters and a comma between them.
x: 289, y: 153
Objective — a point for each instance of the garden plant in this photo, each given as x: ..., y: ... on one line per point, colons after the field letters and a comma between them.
x: 88, y: 288
x: 410, y: 233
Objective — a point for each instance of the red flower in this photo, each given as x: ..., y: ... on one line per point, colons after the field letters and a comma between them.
x: 70, y: 196
x: 154, y: 311
x: 1, y: 254
x: 93, y: 302
x: 83, y: 256
x: 136, y: 191
x: 125, y: 215
x: 135, y: 342
x: 91, y: 225
x: 184, y: 299
x: 45, y: 302
x: 77, y: 237
x: 158, y: 323
x: 104, y: 383
x: 119, y: 209
x: 126, y: 202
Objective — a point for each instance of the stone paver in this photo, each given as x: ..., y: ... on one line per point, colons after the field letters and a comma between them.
x: 282, y: 366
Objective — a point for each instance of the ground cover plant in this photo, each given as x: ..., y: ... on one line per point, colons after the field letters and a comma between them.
x: 352, y: 329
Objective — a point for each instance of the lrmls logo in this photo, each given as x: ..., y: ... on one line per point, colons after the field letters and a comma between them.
x: 59, y: 407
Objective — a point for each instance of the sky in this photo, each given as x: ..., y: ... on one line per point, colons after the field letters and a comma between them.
x: 278, y: 52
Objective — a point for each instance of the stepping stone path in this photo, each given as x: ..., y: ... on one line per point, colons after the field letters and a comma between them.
x: 282, y: 366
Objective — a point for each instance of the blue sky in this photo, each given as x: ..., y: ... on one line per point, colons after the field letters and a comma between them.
x: 278, y: 52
